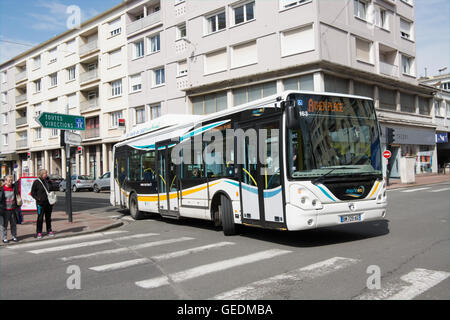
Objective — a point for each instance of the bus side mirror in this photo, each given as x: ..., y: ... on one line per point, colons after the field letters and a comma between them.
x: 292, y: 117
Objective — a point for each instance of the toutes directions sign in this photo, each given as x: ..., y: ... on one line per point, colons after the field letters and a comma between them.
x: 61, y: 121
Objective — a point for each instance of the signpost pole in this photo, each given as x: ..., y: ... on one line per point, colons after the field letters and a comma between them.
x: 68, y: 175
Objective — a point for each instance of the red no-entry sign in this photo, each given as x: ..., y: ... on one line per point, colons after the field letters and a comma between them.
x: 387, y: 154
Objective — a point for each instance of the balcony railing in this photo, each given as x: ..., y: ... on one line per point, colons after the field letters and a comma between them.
x: 21, y: 121
x: 91, y: 133
x: 22, y: 143
x: 388, y: 69
x: 21, y: 98
x: 88, y: 47
x: 144, y: 22
x: 89, y: 76
x: 21, y: 76
x: 89, y: 105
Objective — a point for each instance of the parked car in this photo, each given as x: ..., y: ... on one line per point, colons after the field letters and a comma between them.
x: 54, y: 181
x: 103, y: 183
x: 78, y: 183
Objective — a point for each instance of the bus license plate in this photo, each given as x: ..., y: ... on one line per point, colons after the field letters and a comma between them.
x: 351, y: 218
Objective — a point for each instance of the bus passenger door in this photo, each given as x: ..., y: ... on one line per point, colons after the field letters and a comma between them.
x: 168, y: 191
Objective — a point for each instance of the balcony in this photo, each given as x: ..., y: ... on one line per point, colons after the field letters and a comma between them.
x: 88, y: 48
x: 388, y: 69
x: 89, y: 105
x: 21, y: 121
x: 21, y: 76
x: 89, y: 76
x: 91, y: 133
x: 143, y: 23
x: 21, y: 98
x: 22, y: 143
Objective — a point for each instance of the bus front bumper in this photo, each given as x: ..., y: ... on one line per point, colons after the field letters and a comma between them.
x: 331, y: 215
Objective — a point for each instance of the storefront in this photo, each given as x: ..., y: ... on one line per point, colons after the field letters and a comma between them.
x: 443, y: 149
x: 418, y: 142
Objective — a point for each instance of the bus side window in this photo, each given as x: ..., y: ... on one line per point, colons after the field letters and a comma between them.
x: 148, y: 166
x: 135, y: 164
x: 122, y: 168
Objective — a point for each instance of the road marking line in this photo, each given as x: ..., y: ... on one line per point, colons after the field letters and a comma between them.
x: 120, y: 250
x: 181, y: 253
x: 88, y: 244
x: 210, y: 268
x: 135, y: 262
x: 120, y: 265
x: 414, y: 190
x: 408, y: 287
x: 259, y: 289
x: 440, y: 190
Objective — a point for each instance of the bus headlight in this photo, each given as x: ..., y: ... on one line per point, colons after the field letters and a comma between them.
x: 382, y: 194
x: 305, y: 199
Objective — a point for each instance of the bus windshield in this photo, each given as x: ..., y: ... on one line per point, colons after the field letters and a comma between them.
x: 337, y: 136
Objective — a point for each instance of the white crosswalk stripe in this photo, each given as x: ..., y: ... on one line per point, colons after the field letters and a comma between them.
x: 414, y: 190
x: 210, y: 268
x: 167, y: 256
x: 120, y: 250
x: 260, y: 289
x: 89, y: 243
x: 408, y: 287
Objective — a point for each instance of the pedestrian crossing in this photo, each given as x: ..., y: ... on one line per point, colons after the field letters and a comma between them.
x: 430, y: 189
x: 181, y: 261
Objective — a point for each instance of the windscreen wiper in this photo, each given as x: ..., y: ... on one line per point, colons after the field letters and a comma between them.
x: 320, y: 179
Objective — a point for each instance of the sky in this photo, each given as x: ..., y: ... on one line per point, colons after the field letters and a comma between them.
x: 29, y: 22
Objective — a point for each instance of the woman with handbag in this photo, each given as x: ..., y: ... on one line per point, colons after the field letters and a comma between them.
x: 9, y: 204
x: 40, y: 193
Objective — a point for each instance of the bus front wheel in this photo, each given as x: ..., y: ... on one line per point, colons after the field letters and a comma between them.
x: 134, y: 208
x: 226, y: 213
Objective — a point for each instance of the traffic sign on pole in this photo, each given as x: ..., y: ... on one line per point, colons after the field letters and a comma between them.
x: 72, y: 139
x: 61, y: 121
x: 387, y: 154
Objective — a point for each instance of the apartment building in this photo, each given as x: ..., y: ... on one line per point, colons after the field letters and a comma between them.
x: 198, y: 57
x: 441, y: 115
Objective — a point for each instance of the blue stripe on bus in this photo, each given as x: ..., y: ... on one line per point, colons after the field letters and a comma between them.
x: 326, y: 193
x: 267, y: 194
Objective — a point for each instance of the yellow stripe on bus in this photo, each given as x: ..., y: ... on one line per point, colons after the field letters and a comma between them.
x: 376, y: 187
x: 174, y: 195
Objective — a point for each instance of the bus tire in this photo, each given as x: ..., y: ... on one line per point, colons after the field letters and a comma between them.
x: 134, y: 207
x: 226, y: 212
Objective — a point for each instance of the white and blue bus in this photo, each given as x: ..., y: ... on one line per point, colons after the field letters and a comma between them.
x: 293, y: 161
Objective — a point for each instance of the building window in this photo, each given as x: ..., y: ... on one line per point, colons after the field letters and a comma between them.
x: 5, y: 118
x: 53, y: 80
x: 38, y: 134
x: 71, y: 47
x: 37, y: 86
x: 216, y: 61
x: 387, y: 98
x: 244, y: 54
x: 252, y: 93
x: 406, y: 29
x: 300, y: 83
x: 54, y: 133
x: 182, y: 68
x: 284, y: 4
x: 116, y: 88
x: 407, y: 102
x: 37, y: 62
x: 71, y: 73
x: 115, y: 116
x: 364, y: 50
x: 4, y: 97
x: 297, y: 41
x: 114, y: 58
x: 209, y: 103
x: 138, y: 51
x: 215, y: 22
x: 360, y: 9
x: 407, y: 63
x: 135, y: 83
x: 4, y: 77
x: 72, y: 100
x: 114, y: 27
x: 381, y: 18
x: 155, y: 111
x: 155, y: 43
x: 53, y: 105
x: 244, y: 13
x: 336, y: 84
x: 181, y: 31
x: 140, y: 115
x: 159, y: 77
x: 424, y: 106
x: 5, y: 139
x: 52, y: 55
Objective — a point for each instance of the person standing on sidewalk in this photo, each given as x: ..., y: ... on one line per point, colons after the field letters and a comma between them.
x: 8, y: 207
x: 39, y: 192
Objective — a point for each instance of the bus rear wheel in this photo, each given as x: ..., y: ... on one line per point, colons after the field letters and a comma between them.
x: 226, y: 214
x: 134, y: 208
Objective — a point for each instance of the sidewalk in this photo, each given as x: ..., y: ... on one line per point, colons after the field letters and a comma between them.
x: 83, y: 223
x: 423, y: 179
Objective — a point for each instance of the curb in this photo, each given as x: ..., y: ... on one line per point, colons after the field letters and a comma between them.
x: 100, y: 229
x: 417, y: 185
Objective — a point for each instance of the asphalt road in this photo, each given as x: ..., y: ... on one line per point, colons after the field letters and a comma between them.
x: 163, y: 259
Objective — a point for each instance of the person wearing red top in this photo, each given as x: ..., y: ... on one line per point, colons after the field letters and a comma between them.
x: 8, y: 205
